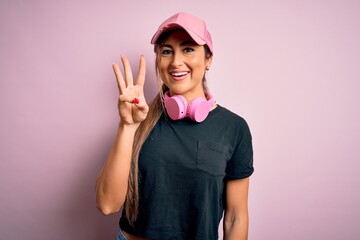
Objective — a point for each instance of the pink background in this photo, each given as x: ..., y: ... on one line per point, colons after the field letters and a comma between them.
x: 290, y: 68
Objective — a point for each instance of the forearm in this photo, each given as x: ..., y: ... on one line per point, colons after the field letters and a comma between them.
x: 112, y: 182
x: 236, y: 227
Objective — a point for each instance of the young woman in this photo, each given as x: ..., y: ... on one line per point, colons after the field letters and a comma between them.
x: 182, y: 161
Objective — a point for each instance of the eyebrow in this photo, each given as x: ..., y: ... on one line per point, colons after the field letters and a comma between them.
x: 189, y: 42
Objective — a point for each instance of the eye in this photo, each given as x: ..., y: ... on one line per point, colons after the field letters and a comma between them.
x: 189, y: 49
x: 166, y: 51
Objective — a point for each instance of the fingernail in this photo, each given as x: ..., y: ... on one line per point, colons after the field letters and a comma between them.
x: 135, y: 101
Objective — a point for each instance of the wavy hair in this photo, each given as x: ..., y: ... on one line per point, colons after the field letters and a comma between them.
x: 156, y: 109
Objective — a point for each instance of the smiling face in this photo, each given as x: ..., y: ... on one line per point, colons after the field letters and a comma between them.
x: 182, y: 64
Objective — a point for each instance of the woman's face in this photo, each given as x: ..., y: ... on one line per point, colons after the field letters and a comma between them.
x: 182, y: 65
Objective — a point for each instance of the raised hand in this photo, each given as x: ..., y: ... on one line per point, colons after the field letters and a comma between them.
x: 132, y: 105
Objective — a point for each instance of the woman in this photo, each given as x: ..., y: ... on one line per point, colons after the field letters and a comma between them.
x: 178, y: 163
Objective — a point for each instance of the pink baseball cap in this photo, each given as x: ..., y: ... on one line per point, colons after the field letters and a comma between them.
x: 193, y: 25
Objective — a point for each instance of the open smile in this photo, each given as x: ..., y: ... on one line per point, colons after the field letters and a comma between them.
x: 179, y: 75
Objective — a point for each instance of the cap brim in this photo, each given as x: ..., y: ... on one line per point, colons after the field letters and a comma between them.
x: 167, y: 28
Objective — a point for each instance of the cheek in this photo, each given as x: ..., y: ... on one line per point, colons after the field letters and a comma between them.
x: 198, y: 59
x: 161, y: 67
x: 163, y: 64
x: 198, y: 64
x: 162, y: 72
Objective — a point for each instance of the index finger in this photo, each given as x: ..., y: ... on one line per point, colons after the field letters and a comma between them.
x: 142, y: 71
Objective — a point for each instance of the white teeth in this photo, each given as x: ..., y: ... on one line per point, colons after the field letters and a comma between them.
x: 178, y: 74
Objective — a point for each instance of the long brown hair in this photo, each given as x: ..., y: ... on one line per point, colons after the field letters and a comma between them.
x: 156, y: 108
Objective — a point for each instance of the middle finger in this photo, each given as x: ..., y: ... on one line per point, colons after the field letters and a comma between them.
x: 127, y: 71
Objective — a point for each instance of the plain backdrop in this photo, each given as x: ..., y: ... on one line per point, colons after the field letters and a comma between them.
x: 290, y: 68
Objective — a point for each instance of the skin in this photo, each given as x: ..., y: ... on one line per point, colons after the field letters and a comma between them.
x: 181, y: 56
x: 236, y: 219
x: 112, y: 182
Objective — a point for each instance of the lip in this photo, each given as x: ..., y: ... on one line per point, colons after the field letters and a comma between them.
x: 178, y: 75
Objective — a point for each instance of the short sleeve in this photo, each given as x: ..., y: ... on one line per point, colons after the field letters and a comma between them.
x: 241, y: 162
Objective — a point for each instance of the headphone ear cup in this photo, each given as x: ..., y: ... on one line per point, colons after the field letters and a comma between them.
x: 199, y: 109
x: 176, y: 107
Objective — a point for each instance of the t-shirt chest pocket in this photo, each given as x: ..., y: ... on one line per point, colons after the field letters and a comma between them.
x: 211, y: 158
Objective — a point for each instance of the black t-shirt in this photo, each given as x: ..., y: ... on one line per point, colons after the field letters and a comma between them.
x: 183, y: 168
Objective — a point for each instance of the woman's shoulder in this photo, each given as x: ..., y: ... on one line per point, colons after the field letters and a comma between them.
x: 227, y: 115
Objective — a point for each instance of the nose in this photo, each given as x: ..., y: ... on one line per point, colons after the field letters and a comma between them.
x: 177, y: 59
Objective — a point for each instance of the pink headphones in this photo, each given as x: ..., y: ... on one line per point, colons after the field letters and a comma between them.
x: 178, y: 108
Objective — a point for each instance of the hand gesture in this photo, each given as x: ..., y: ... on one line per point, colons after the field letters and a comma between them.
x: 132, y: 105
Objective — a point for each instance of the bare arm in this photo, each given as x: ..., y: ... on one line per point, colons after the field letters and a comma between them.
x: 112, y: 182
x: 236, y: 219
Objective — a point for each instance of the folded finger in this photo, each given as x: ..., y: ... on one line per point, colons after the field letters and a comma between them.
x: 129, y: 99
